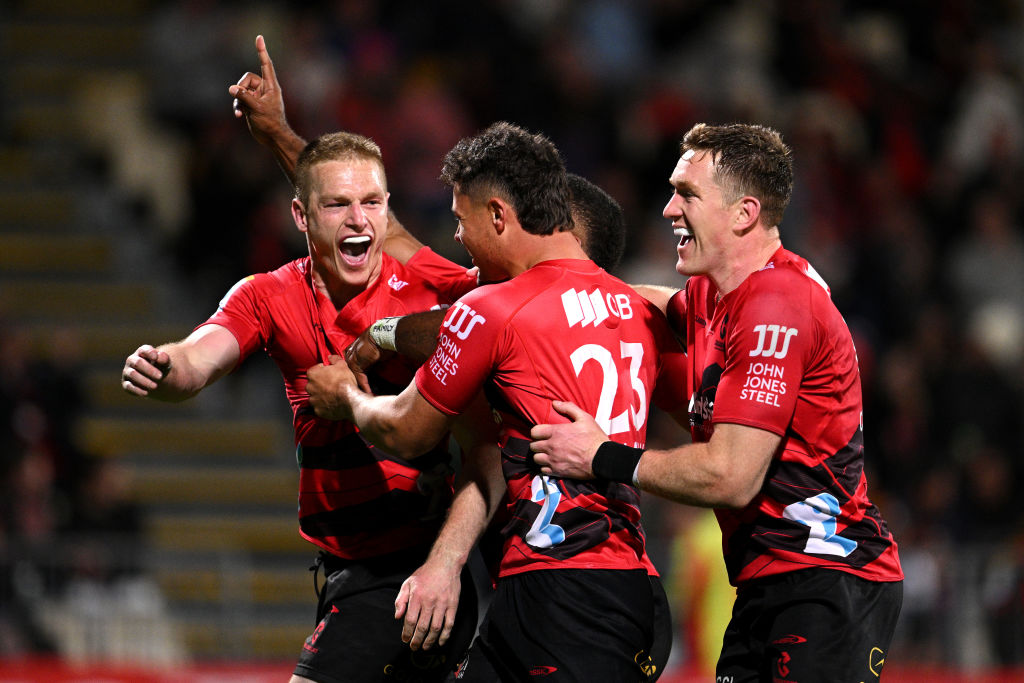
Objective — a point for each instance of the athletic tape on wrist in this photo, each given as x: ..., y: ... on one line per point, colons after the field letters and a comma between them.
x: 617, y: 462
x: 382, y: 333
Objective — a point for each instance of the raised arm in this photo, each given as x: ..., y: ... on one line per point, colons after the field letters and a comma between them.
x: 180, y: 370
x: 260, y: 101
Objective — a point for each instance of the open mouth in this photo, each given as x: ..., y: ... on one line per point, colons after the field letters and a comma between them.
x: 685, y: 234
x: 354, y: 249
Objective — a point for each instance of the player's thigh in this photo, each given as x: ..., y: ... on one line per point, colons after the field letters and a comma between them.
x: 844, y: 635
x: 357, y: 639
x: 568, y: 625
x: 818, y: 625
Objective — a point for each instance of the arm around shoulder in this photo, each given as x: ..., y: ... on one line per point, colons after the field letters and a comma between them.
x: 726, y: 472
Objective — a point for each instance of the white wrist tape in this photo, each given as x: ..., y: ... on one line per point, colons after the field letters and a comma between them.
x: 382, y: 333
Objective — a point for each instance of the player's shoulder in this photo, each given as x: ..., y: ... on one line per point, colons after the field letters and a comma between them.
x: 790, y: 271
x: 272, y: 283
x: 395, y: 271
x: 410, y: 284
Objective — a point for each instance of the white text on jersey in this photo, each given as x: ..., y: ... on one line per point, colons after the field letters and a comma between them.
x: 595, y: 307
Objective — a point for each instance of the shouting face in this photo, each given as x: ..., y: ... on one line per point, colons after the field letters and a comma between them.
x: 345, y: 219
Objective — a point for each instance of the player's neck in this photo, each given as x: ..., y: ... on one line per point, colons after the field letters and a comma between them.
x: 560, y: 245
x: 339, y: 292
x: 747, y: 258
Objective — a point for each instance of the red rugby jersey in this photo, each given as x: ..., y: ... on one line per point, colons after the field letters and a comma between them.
x: 354, y: 499
x: 776, y: 354
x: 564, y: 329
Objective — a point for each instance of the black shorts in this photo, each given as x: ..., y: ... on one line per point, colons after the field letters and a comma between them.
x: 562, y: 625
x: 357, y: 637
x: 810, y: 626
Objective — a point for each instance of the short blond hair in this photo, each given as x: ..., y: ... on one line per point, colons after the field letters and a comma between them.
x: 334, y: 147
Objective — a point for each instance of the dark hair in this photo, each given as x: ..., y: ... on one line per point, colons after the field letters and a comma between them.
x: 599, y: 217
x: 334, y: 147
x: 748, y: 160
x: 522, y: 168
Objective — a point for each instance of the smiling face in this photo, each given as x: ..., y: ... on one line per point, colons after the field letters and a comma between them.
x: 699, y: 215
x: 476, y: 233
x: 345, y: 219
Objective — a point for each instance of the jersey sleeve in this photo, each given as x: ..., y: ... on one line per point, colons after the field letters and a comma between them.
x: 769, y: 337
x: 448, y: 277
x: 464, y: 357
x: 238, y: 311
x: 670, y: 389
x: 675, y: 312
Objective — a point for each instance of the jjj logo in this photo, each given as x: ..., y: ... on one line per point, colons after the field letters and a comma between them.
x: 772, y: 350
x: 461, y: 320
x: 594, y: 308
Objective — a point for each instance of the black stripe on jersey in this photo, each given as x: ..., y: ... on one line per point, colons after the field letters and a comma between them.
x: 790, y: 482
x: 584, y: 529
x: 395, y: 509
x: 353, y: 451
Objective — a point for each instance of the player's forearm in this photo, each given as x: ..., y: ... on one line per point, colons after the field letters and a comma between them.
x: 697, y: 474
x: 385, y: 422
x: 656, y: 294
x: 285, y: 144
x: 416, y: 335
x: 470, y: 512
x: 184, y: 378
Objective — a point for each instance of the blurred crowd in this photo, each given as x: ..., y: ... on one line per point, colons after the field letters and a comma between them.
x: 907, y: 124
x: 68, y: 525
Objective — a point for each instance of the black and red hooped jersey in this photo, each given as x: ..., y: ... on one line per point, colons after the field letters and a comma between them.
x: 776, y: 354
x: 355, y: 500
x: 566, y: 330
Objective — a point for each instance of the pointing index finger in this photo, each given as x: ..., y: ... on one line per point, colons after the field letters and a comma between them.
x: 266, y: 64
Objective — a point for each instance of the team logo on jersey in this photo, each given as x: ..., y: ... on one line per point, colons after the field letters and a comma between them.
x: 396, y: 284
x: 702, y: 402
x: 594, y: 308
x: 462, y: 319
x: 773, y: 334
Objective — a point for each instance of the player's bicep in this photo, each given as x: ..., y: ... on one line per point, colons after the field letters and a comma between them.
x: 749, y: 452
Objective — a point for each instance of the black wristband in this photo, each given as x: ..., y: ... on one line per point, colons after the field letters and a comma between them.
x: 616, y: 462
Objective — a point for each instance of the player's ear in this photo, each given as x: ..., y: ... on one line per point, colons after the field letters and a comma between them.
x: 299, y: 215
x: 499, y: 213
x: 748, y: 211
